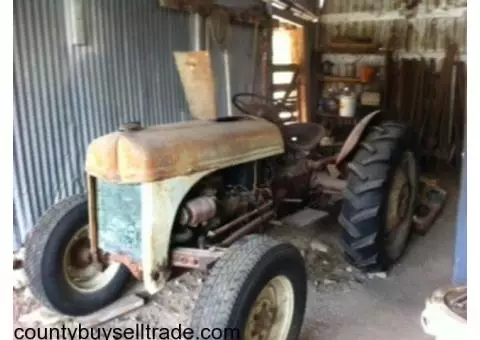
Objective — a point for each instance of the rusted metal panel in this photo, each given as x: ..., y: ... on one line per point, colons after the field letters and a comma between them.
x: 195, y: 258
x: 196, y: 73
x: 134, y: 267
x: 92, y: 214
x: 354, y: 137
x: 170, y: 150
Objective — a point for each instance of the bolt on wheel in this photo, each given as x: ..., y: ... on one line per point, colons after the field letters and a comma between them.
x: 272, y: 312
x: 80, y: 271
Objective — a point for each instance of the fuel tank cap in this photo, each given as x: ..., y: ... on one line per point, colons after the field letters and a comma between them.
x: 130, y: 126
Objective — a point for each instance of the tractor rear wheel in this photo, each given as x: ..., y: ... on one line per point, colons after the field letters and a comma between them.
x: 380, y: 197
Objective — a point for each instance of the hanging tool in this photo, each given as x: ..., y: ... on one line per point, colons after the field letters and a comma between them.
x: 463, y: 33
x: 217, y: 27
x: 409, y: 37
x: 443, y: 41
x: 352, y: 7
x: 453, y: 33
x: 428, y: 9
x: 380, y: 8
x: 254, y: 56
x: 426, y: 36
x: 433, y: 35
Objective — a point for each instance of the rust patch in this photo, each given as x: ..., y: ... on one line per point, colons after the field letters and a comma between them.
x: 133, y: 267
x: 194, y: 258
x: 92, y: 215
x: 165, y: 151
x: 81, y: 254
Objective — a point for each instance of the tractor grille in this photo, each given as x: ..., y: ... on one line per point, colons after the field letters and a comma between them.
x: 119, y: 219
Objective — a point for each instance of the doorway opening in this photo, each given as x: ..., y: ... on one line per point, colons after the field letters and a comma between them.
x: 288, y: 60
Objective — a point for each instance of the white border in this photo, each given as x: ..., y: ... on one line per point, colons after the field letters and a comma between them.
x: 473, y: 134
x: 473, y: 169
x: 6, y: 93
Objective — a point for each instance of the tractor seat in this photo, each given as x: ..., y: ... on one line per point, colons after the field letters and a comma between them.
x: 303, y: 136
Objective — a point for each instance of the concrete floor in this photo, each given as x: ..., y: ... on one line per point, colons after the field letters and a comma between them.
x: 389, y: 308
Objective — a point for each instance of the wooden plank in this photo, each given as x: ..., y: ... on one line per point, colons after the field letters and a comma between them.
x: 285, y: 67
x: 335, y: 79
x: 353, y: 48
x: 198, y: 82
x: 44, y: 317
x: 122, y: 306
x: 92, y: 214
x: 281, y: 87
x: 305, y: 218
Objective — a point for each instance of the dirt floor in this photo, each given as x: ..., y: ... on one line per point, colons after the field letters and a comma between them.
x: 342, y: 303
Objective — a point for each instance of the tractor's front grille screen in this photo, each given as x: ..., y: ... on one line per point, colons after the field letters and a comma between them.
x: 119, y: 219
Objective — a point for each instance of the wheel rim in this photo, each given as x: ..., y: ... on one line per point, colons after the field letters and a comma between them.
x: 272, y: 312
x: 80, y: 272
x: 400, y: 205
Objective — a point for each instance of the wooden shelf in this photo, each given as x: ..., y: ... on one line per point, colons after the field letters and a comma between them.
x: 337, y: 79
x: 352, y: 48
x: 380, y: 53
x: 333, y: 115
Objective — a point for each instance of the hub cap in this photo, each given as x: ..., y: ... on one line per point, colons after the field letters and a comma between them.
x: 272, y: 312
x: 80, y: 272
x: 400, y: 205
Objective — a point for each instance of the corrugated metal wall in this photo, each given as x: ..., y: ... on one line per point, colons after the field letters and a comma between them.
x: 66, y: 95
x: 240, y: 62
x: 243, y: 74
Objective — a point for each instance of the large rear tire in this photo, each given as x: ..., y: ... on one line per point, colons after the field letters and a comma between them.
x: 60, y: 279
x: 256, y: 291
x: 380, y: 197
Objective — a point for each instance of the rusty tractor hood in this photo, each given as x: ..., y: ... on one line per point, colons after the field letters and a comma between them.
x: 170, y: 150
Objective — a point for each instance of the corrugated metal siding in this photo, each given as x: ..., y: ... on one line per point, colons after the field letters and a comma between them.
x: 66, y: 95
x: 218, y: 65
x: 242, y: 60
x: 240, y: 51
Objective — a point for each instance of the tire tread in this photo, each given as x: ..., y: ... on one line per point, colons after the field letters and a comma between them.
x: 362, y: 213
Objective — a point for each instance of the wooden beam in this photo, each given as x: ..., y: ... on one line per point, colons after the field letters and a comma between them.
x: 249, y: 16
x: 285, y: 67
x: 281, y: 87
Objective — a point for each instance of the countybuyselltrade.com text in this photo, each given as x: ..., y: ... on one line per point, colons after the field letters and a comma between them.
x: 139, y: 332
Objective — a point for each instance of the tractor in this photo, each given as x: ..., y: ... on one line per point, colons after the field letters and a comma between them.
x: 198, y: 195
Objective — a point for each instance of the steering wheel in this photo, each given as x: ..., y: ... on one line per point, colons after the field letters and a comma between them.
x: 257, y: 105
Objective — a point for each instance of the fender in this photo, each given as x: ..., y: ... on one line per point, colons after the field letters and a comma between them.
x: 160, y: 203
x: 354, y: 137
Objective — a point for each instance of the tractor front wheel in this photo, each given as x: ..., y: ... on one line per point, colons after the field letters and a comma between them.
x: 256, y: 291
x: 380, y: 197
x: 57, y: 263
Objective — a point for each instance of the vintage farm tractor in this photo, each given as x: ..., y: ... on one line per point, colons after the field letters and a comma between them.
x: 196, y: 195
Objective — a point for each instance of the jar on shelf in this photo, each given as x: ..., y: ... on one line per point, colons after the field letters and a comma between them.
x: 347, y: 103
